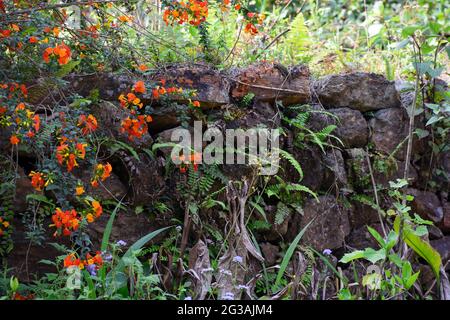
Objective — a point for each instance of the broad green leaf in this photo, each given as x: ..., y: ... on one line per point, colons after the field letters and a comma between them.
x: 357, y: 254
x: 377, y: 236
x: 288, y: 255
x: 422, y: 248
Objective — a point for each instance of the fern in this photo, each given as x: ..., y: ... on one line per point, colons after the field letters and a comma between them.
x: 290, y: 158
x: 298, y: 187
x: 283, y: 211
x: 298, y: 39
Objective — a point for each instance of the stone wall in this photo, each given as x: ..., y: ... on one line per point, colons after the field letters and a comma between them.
x: 372, y: 123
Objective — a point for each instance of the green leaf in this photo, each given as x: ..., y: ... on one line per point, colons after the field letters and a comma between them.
x: 67, y: 68
x: 108, y: 228
x: 357, y: 254
x: 288, y: 255
x: 377, y: 236
x: 286, y: 155
x: 409, y: 30
x: 374, y: 255
x: 422, y: 248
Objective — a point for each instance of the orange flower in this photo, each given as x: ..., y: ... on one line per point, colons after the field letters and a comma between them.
x: 79, y: 190
x: 36, y: 122
x: 14, y: 139
x: 139, y: 87
x: 80, y: 147
x: 196, y: 104
x: 250, y: 28
x: 90, y: 218
x: 71, y: 162
x: 143, y: 67
x: 33, y: 40
x: 46, y: 55
x: 56, y: 32
x: 38, y: 180
x: 65, y: 221
x: 89, y: 123
x: 62, y: 51
x: 125, y: 19
x: 20, y: 106
x: 98, y: 210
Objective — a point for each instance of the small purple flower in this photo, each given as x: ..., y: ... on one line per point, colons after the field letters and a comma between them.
x: 326, y: 252
x: 228, y: 296
x: 107, y: 257
x: 92, y: 269
x: 188, y: 298
x: 238, y: 259
x: 121, y: 243
x: 242, y: 287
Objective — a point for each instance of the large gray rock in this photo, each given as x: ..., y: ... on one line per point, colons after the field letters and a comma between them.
x: 359, y: 90
x: 426, y: 204
x: 352, y: 128
x: 389, y: 129
x: 330, y: 223
x: 334, y: 173
x: 443, y: 247
x: 362, y: 215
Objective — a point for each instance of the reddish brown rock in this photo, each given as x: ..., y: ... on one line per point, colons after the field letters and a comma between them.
x: 211, y: 86
x: 270, y: 82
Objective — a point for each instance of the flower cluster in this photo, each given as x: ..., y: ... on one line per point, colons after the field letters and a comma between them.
x: 61, y: 51
x: 192, y: 11
x: 39, y: 180
x: 88, y: 124
x: 161, y: 90
x: 94, y: 211
x: 252, y: 19
x: 67, y: 154
x: 27, y: 123
x: 136, y: 128
x: 91, y: 263
x: 65, y: 222
x: 102, y: 172
x: 194, y: 159
x: 69, y: 221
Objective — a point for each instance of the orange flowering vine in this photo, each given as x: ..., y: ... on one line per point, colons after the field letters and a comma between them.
x: 193, y: 12
x: 61, y: 51
x: 91, y: 263
x: 39, y: 180
x: 102, y: 172
x: 89, y: 124
x: 65, y: 222
x: 136, y: 128
x: 68, y: 155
